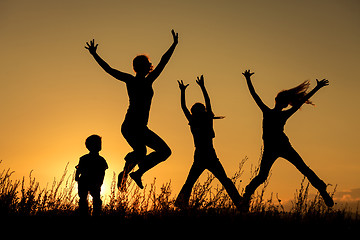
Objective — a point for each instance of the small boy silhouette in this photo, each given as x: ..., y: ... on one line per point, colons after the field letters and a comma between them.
x: 90, y: 174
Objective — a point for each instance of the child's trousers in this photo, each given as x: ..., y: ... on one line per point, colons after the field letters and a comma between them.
x: 94, y: 191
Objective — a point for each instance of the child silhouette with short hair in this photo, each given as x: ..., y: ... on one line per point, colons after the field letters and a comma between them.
x: 90, y: 174
x: 201, y: 126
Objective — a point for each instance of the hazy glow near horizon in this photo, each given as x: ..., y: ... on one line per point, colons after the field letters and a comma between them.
x: 53, y: 94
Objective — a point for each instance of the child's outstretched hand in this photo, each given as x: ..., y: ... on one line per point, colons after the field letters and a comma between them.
x: 247, y: 73
x: 200, y: 81
x: 175, y: 36
x: 182, y: 86
x: 91, y: 47
x: 322, y: 83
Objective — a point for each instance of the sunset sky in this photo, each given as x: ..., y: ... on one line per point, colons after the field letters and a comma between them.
x: 53, y: 94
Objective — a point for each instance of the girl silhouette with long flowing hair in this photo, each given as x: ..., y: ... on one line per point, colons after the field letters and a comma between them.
x: 134, y: 128
x: 276, y: 143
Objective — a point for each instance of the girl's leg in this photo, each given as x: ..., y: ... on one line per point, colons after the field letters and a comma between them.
x: 292, y: 156
x: 217, y: 169
x: 182, y: 200
x: 267, y: 161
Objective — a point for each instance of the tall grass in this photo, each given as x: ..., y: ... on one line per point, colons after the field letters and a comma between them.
x: 27, y: 198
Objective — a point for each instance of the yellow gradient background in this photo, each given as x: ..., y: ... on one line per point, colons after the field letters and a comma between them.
x: 53, y: 94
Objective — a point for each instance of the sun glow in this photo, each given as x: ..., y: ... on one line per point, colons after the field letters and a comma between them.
x: 54, y: 95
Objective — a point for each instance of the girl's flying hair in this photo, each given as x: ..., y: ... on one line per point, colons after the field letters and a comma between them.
x: 294, y: 95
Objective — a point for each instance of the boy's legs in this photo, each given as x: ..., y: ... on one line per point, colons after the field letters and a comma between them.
x: 182, y: 199
x: 83, y: 201
x: 95, y: 193
x: 217, y: 169
x: 292, y: 156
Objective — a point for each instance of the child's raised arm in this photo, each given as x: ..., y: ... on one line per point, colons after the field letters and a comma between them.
x: 319, y: 84
x: 200, y: 82
x: 256, y: 97
x: 186, y: 111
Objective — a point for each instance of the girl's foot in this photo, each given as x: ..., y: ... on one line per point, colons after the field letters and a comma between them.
x: 327, y: 199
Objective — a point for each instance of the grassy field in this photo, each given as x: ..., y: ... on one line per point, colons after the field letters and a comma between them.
x: 25, y: 201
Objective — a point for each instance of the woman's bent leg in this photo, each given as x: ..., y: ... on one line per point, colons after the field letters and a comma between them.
x: 134, y: 135
x: 161, y: 152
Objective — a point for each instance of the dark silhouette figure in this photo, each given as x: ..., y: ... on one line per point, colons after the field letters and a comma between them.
x: 90, y: 174
x: 276, y: 143
x: 201, y: 126
x: 134, y: 128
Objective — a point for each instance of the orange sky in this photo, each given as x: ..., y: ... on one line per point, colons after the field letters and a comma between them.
x: 53, y: 94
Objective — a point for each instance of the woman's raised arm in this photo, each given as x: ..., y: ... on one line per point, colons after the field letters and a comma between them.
x: 113, y: 72
x: 165, y: 58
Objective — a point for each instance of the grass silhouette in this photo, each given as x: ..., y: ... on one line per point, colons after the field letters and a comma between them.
x: 23, y: 198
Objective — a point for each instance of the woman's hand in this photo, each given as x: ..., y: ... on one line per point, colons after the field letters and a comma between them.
x: 175, y: 36
x: 182, y: 86
x: 322, y: 83
x: 247, y: 73
x: 91, y: 47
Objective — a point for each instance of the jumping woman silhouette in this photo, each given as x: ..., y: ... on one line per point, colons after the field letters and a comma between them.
x: 134, y: 128
x: 276, y: 143
x: 201, y: 125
